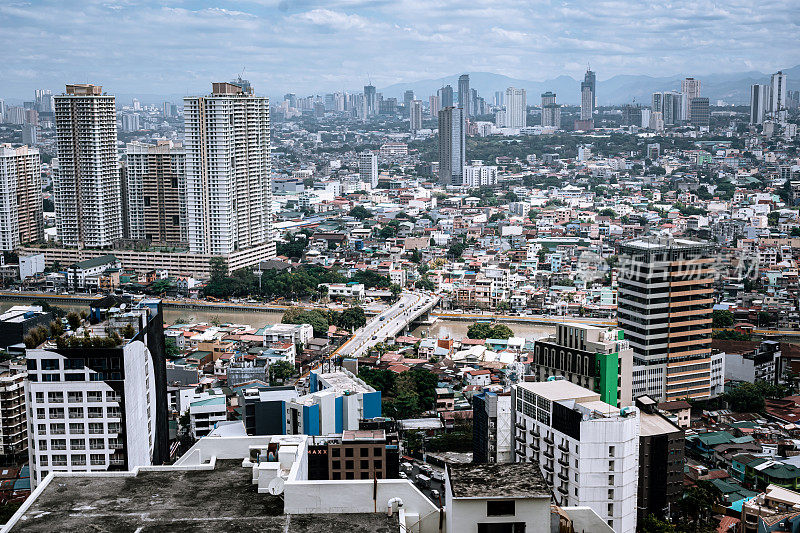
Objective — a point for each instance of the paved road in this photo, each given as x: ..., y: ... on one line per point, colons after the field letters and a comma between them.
x: 435, y: 485
x: 382, y: 326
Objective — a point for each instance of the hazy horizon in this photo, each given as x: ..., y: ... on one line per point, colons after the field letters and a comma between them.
x: 308, y: 46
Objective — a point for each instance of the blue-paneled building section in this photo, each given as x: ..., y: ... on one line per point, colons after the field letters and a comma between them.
x: 336, y: 402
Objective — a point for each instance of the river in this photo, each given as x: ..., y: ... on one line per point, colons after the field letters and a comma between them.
x: 443, y: 328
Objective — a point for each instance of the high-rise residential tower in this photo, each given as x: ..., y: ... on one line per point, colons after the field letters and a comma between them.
x: 86, y: 187
x: 408, y: 97
x: 155, y: 186
x: 370, y: 101
x: 445, y: 98
x: 415, y: 116
x: 590, y: 82
x: 434, y: 105
x: 551, y: 111
x: 368, y: 168
x: 464, y: 96
x: 516, y: 108
x: 228, y: 170
x: 664, y: 308
x: 586, y: 103
x: 759, y: 102
x: 699, y: 112
x: 452, y: 145
x: 778, y: 96
x: 21, y: 218
x: 690, y: 87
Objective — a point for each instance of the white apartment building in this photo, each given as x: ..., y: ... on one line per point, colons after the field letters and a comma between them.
x: 476, y: 174
x: 21, y: 217
x: 588, y: 451
x: 228, y: 170
x: 94, y: 408
x: 205, y: 409
x: 346, y: 290
x: 293, y: 333
x: 87, y: 190
x: 516, y: 108
x: 368, y: 168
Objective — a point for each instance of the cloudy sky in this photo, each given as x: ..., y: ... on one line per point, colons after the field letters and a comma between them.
x: 315, y: 46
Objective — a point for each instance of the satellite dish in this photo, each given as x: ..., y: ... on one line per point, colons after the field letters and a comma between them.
x: 275, y: 486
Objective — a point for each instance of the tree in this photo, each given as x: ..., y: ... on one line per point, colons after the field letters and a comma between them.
x: 161, y: 286
x: 128, y: 332
x: 352, y: 318
x: 721, y: 318
x: 652, y: 524
x: 56, y: 328
x: 482, y: 330
x: 56, y: 311
x: 360, y: 212
x: 298, y: 315
x: 395, y: 289
x: 280, y: 371
x: 74, y: 320
x: 456, y: 249
x: 607, y: 213
x: 171, y: 349
x: 425, y: 284
x: 379, y: 379
x: 749, y: 397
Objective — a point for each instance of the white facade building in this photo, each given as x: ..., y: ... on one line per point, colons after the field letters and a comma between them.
x: 476, y: 174
x: 778, y: 96
x: 228, y: 170
x: 588, y: 451
x: 759, y: 102
x: 368, y: 168
x: 516, y: 108
x: 205, y: 409
x: 87, y: 189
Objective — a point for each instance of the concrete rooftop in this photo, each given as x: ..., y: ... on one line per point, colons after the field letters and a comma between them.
x: 503, y: 480
x: 223, y: 499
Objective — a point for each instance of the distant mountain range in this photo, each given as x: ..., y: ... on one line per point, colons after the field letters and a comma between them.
x: 733, y: 88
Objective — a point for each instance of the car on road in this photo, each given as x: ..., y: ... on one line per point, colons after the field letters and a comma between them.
x: 382, y: 318
x: 374, y: 337
x: 435, y: 494
x: 423, y: 480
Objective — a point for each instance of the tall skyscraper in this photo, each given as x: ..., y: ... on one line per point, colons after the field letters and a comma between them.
x: 452, y: 145
x: 445, y: 97
x: 759, y: 102
x: 778, y: 96
x: 586, y: 103
x: 670, y: 105
x: 228, y: 170
x: 408, y: 97
x: 590, y: 81
x: 551, y: 111
x: 699, y: 112
x: 30, y: 134
x: 690, y: 87
x: 100, y: 408
x: 464, y: 96
x: 434, y: 105
x: 370, y: 101
x: 664, y: 308
x: 43, y: 102
x: 155, y: 185
x: 516, y: 108
x: 20, y: 197
x: 86, y: 187
x: 415, y: 116
x: 368, y: 168
x: 498, y: 98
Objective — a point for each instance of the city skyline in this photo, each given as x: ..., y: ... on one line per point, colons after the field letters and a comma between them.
x: 160, y: 50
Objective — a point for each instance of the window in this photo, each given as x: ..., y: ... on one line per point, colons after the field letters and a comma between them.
x: 76, y: 428
x: 97, y: 444
x: 94, y: 396
x: 95, y: 428
x: 57, y: 429
x: 610, y: 494
x: 39, y: 397
x: 51, y: 377
x: 76, y: 412
x: 364, y: 464
x: 611, y: 465
x: 31, y: 364
x: 500, y: 508
x: 78, y: 460
x: 43, y: 445
x: 611, y: 480
x: 43, y: 461
x: 77, y: 444
x: 73, y: 364
x: 336, y: 452
x: 72, y: 376
x: 349, y: 475
x: 378, y: 464
x: 377, y: 452
x: 98, y: 459
x: 611, y: 450
x: 336, y: 465
x: 348, y: 452
x: 59, y: 460
x: 95, y: 412
x: 40, y: 413
x: 349, y: 465
x: 610, y: 508
x: 50, y: 364
x: 75, y: 396
x: 364, y: 452
x: 56, y: 412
